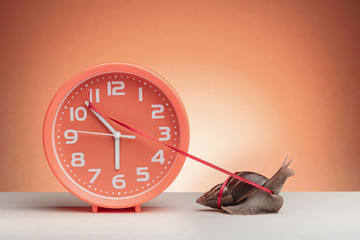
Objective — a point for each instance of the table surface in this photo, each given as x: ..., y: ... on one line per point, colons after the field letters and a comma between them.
x: 305, y: 215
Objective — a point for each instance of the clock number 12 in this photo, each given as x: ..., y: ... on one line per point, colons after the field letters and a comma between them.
x: 116, y: 89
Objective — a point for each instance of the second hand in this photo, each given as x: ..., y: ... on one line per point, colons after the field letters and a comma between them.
x: 106, y: 134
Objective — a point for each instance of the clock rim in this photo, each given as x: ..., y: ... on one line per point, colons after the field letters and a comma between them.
x: 155, y: 79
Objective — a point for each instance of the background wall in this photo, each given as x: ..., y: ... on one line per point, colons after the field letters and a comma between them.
x: 259, y: 79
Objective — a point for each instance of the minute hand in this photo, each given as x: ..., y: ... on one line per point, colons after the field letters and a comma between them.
x: 112, y: 130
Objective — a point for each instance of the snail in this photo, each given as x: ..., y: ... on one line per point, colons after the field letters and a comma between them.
x: 239, y: 197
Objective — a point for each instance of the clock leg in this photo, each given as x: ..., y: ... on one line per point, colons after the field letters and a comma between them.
x: 137, y: 208
x: 94, y: 208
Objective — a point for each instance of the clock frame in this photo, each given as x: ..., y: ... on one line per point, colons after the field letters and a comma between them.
x: 83, y: 162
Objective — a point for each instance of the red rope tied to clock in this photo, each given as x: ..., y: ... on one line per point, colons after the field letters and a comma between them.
x: 218, y: 205
x: 91, y: 106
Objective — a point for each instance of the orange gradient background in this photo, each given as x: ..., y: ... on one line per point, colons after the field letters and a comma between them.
x: 259, y: 79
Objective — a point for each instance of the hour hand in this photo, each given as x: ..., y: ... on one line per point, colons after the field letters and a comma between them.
x: 117, y: 152
x: 112, y: 130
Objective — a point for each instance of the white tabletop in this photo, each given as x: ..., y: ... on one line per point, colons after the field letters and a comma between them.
x: 309, y: 215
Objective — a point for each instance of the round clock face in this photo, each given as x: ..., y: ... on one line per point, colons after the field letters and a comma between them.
x: 102, y: 162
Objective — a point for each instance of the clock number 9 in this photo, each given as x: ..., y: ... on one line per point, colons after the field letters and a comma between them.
x: 71, y: 135
x: 118, y: 182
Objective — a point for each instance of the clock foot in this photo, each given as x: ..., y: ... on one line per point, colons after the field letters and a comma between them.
x: 137, y: 208
x: 94, y: 209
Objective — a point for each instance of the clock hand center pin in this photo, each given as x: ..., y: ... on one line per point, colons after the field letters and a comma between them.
x: 117, y: 134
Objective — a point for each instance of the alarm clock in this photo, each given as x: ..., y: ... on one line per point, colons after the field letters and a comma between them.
x: 105, y: 164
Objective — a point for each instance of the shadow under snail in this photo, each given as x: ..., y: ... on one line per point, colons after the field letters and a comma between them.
x: 241, y: 198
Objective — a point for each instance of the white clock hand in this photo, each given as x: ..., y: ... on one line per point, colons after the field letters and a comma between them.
x: 117, y: 150
x: 102, y: 119
x: 128, y: 136
x: 116, y: 135
x: 107, y: 134
x: 96, y: 133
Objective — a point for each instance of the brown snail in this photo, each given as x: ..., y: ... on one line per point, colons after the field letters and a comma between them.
x: 239, y: 197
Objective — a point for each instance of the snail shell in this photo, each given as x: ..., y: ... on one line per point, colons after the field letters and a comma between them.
x: 234, y: 192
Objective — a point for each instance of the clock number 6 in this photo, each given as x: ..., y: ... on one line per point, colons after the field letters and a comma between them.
x: 118, y: 182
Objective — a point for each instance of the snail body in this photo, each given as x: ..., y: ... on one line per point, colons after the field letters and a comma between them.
x: 239, y: 197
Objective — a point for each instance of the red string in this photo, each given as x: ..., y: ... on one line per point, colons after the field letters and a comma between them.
x: 221, y: 192
x: 181, y: 151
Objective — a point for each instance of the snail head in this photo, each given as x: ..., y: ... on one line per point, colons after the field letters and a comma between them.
x: 285, y: 165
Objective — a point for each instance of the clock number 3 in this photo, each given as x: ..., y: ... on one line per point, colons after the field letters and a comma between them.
x: 165, y: 131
